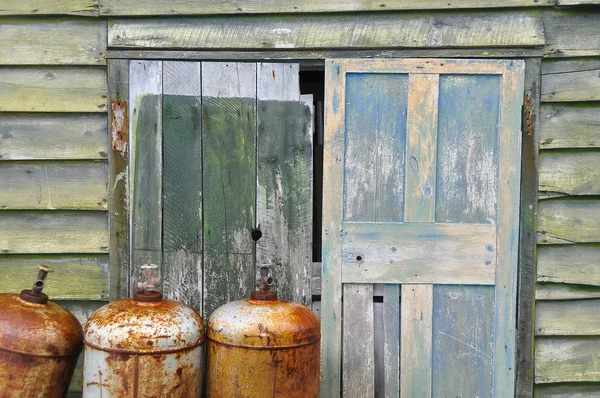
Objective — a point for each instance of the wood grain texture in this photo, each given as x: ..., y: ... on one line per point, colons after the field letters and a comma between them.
x: 182, y: 183
x: 416, y: 330
x: 284, y: 180
x: 44, y: 89
x: 422, y: 121
x: 72, y: 277
x: 53, y: 232
x: 64, y: 137
x: 419, y: 253
x: 569, y: 264
x: 145, y: 162
x: 391, y: 340
x: 567, y: 390
x: 53, y: 185
x: 564, y: 221
x: 463, y: 335
x: 566, y: 318
x: 570, y: 126
x: 185, y: 7
x: 59, y: 41
x: 563, y: 291
x: 563, y: 173
x: 118, y: 178
x: 333, y: 180
x: 229, y: 181
x: 571, y: 80
x: 358, y: 342
x: 577, y: 2
x: 50, y: 7
x: 571, y: 33
x: 412, y: 30
x: 567, y: 359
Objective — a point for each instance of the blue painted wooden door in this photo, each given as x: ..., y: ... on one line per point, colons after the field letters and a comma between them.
x: 421, y: 198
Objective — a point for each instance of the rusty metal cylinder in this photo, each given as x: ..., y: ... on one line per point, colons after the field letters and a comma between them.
x: 263, y: 347
x: 39, y: 344
x: 147, y: 346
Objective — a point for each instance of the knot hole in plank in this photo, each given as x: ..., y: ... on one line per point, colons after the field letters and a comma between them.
x: 256, y: 234
x: 414, y: 164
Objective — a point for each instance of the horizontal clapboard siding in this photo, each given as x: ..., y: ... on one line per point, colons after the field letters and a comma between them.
x: 568, y: 221
x: 60, y: 41
x: 567, y: 318
x: 49, y: 7
x: 386, y: 30
x: 573, y: 125
x: 569, y: 173
x: 185, y: 7
x: 56, y: 89
x: 568, y: 390
x: 563, y: 291
x: 571, y: 80
x: 572, y: 33
x: 567, y: 359
x: 577, y: 264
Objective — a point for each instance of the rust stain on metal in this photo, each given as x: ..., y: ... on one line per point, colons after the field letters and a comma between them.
x: 119, y: 126
x: 528, y: 115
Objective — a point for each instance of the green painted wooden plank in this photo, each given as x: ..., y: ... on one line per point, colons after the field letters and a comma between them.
x: 118, y: 178
x: 64, y: 137
x: 463, y: 335
x: 53, y: 185
x: 44, y: 89
x: 564, y: 173
x: 567, y: 390
x: 183, y: 7
x: 53, y: 232
x: 83, y: 278
x: 567, y: 359
x: 572, y: 33
x: 229, y: 181
x: 145, y: 173
x: 52, y: 41
x: 569, y: 264
x: 570, y: 125
x: 182, y: 183
x: 565, y: 318
x: 392, y: 29
x: 49, y: 7
x: 571, y: 80
x: 284, y: 180
x: 568, y: 221
x: 563, y: 291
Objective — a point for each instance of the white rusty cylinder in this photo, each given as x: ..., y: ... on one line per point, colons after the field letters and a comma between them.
x: 143, y: 347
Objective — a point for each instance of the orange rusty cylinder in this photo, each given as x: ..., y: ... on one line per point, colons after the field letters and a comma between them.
x: 263, y: 347
x: 144, y: 347
x: 39, y: 344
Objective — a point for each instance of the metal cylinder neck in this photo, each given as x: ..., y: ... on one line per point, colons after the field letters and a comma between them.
x: 35, y: 295
x: 146, y: 290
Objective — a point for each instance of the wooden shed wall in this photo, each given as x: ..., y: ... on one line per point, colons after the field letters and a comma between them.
x: 54, y: 144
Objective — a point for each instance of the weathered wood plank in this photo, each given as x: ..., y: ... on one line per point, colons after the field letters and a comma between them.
x: 576, y: 264
x: 358, y: 345
x: 570, y: 126
x: 229, y: 159
x: 571, y: 33
x: 565, y: 318
x: 563, y: 291
x: 428, y: 253
x: 56, y: 185
x: 567, y: 359
x: 463, y: 335
x: 182, y: 183
x: 568, y: 221
x: 416, y: 330
x: 50, y: 7
x: 33, y: 137
x: 284, y: 180
x: 118, y: 178
x: 83, y: 278
x: 577, y: 2
x: 56, y: 41
x: 571, y: 80
x: 53, y: 89
x: 53, y: 232
x: 184, y: 7
x: 391, y: 340
x: 570, y: 390
x: 412, y: 30
x: 564, y: 173
x: 145, y: 173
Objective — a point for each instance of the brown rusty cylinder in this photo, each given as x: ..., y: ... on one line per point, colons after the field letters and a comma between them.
x: 39, y: 344
x: 143, y: 347
x: 263, y: 347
